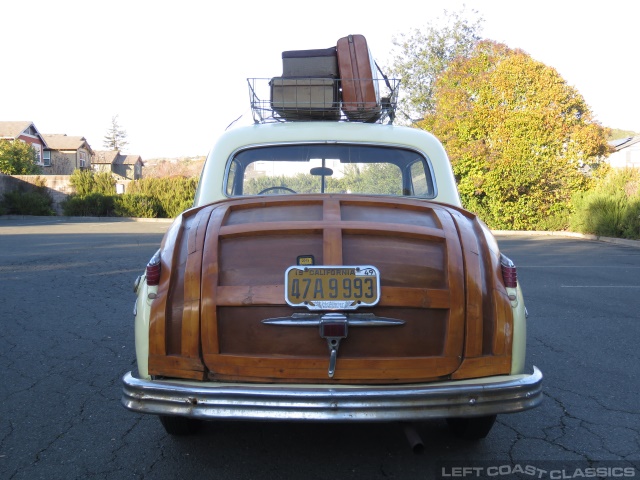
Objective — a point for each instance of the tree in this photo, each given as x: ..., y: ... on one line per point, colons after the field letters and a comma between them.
x: 519, y: 137
x: 116, y: 137
x: 381, y: 179
x: 18, y: 158
x: 424, y: 54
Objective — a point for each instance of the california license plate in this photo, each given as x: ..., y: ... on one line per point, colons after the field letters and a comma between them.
x: 322, y: 287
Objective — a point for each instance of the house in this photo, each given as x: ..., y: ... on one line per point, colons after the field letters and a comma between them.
x: 626, y: 152
x: 25, y: 132
x: 64, y: 154
x: 125, y: 167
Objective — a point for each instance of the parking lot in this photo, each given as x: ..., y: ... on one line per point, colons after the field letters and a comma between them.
x: 66, y: 339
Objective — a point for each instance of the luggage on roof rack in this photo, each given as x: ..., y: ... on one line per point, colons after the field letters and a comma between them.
x: 310, y: 63
x: 281, y: 99
x: 299, y: 98
x: 358, y: 76
x: 337, y: 83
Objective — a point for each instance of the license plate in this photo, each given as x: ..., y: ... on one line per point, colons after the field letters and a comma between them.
x: 322, y: 287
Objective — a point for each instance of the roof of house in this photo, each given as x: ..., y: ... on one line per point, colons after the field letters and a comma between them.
x: 621, y: 143
x: 104, y: 156
x: 128, y: 159
x: 115, y: 157
x: 64, y: 142
x: 13, y: 129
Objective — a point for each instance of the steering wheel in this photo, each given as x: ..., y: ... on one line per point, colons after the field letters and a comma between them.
x: 269, y: 189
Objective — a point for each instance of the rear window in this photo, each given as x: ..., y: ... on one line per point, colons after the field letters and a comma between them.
x: 358, y: 169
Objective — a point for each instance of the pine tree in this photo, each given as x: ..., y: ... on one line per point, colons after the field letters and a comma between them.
x: 116, y: 137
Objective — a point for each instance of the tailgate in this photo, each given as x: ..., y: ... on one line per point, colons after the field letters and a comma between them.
x: 226, y: 317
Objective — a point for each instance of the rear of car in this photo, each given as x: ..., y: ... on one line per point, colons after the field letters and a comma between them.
x: 327, y: 272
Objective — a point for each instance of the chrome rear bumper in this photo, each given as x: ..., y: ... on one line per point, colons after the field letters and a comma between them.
x: 460, y: 398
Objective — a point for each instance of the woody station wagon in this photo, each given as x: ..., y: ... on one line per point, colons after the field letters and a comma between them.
x: 328, y: 272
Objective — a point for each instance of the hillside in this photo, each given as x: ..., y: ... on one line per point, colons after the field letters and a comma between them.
x: 173, y: 167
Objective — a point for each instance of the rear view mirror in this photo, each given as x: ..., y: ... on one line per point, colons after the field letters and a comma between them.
x: 321, y: 171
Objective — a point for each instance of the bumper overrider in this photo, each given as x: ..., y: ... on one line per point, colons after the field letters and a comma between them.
x: 460, y: 398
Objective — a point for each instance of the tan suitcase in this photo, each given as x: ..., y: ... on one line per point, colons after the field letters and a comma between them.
x: 300, y: 98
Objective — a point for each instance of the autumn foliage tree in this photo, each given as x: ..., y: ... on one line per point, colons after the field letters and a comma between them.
x: 519, y: 137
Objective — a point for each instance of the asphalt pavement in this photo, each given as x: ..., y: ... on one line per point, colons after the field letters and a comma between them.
x: 66, y: 339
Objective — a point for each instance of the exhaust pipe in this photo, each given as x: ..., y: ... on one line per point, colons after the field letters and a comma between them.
x: 413, y: 438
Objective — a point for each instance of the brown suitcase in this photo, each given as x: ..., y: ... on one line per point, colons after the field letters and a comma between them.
x: 359, y: 79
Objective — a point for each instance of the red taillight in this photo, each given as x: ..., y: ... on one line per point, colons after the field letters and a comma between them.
x: 333, y: 330
x: 153, y: 270
x: 509, y: 273
x: 333, y: 326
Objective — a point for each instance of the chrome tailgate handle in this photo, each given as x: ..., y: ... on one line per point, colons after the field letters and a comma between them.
x: 333, y: 327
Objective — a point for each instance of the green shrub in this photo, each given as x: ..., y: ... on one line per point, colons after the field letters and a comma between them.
x: 631, y: 220
x: 147, y: 198
x: 92, y: 205
x: 33, y: 202
x: 86, y: 182
x: 104, y: 183
x: 598, y: 214
x: 136, y: 205
x: 82, y: 182
x: 554, y: 223
x: 174, y: 194
x: 611, y: 208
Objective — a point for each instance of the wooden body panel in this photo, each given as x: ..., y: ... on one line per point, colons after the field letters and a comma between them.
x: 223, y: 269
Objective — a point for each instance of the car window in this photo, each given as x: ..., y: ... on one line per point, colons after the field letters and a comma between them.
x: 232, y: 180
x: 361, y: 169
x: 421, y: 184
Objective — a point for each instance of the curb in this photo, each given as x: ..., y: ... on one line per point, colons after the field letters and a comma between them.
x: 584, y: 236
x: 59, y: 218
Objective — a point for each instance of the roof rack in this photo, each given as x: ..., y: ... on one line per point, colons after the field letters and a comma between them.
x: 286, y: 99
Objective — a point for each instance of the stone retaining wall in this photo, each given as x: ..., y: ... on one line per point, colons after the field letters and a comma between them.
x: 58, y: 186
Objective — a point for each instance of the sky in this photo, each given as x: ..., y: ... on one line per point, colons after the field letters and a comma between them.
x: 175, y: 72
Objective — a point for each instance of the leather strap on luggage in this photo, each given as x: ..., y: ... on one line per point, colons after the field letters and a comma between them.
x: 386, y: 79
x: 355, y: 66
x: 390, y: 111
